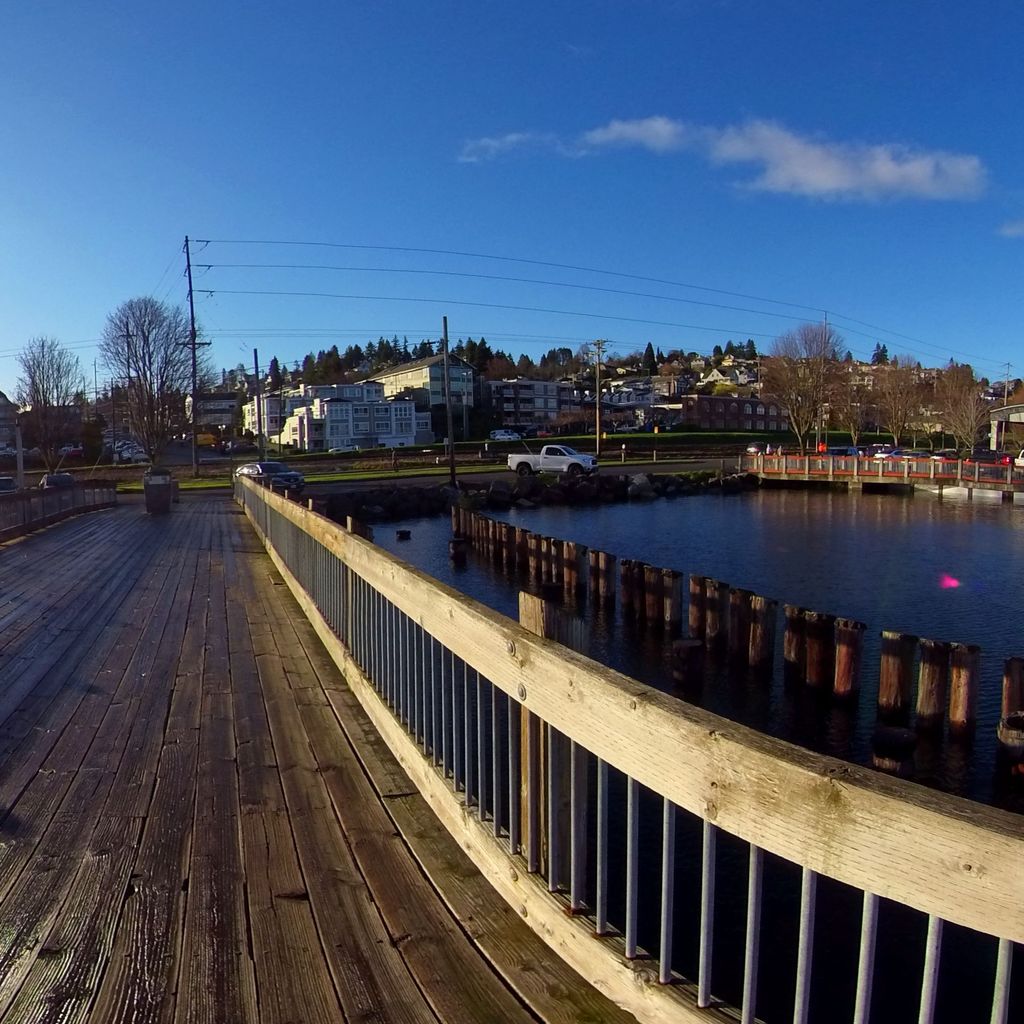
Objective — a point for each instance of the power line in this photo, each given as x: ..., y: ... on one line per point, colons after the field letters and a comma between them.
x: 510, y: 259
x: 485, y: 305
x: 493, y: 277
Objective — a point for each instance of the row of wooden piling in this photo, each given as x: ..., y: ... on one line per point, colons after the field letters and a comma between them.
x: 820, y: 650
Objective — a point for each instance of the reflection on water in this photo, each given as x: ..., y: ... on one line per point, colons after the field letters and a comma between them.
x: 939, y: 569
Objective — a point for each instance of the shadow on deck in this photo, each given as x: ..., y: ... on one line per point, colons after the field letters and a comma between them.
x: 198, y: 823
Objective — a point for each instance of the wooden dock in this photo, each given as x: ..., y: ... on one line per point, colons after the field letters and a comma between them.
x: 199, y: 824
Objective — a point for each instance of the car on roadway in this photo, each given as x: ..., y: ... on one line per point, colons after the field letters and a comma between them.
x: 987, y: 457
x: 50, y: 481
x: 275, y: 475
x: 8, y: 485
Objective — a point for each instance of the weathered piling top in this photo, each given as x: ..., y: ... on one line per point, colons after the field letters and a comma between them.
x: 198, y: 823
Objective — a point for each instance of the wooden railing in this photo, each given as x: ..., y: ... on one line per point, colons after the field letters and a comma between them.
x: 24, y: 511
x: 572, y: 787
x: 949, y: 472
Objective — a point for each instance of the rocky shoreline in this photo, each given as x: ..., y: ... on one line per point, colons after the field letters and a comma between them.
x: 395, y: 502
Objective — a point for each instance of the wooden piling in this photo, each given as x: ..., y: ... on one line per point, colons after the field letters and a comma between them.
x: 606, y: 583
x: 761, y: 647
x: 739, y: 624
x: 819, y: 648
x: 522, y: 549
x: 456, y: 531
x: 594, y: 572
x: 654, y: 597
x: 545, y: 560
x: 793, y: 642
x: 849, y: 657
x: 964, y: 671
x: 672, y: 601
x: 533, y: 555
x: 457, y: 550
x: 570, y: 567
x: 698, y: 597
x: 716, y: 613
x: 895, y: 675
x: 932, y: 684
x: 627, y: 583
x: 1013, y: 687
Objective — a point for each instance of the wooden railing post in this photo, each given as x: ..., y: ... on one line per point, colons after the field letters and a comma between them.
x: 545, y: 798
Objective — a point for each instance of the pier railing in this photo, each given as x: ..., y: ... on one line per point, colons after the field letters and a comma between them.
x: 24, y: 511
x: 949, y: 472
x: 619, y: 822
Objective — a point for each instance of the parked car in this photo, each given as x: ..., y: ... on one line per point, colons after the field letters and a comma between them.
x: 52, y: 480
x: 987, y: 457
x: 756, y: 448
x: 844, y: 451
x: 946, y: 455
x: 343, y: 449
x: 8, y: 485
x: 275, y: 475
x: 505, y: 435
x: 73, y: 451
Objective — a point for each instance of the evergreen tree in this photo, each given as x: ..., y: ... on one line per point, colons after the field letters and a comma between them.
x: 274, y: 374
x: 649, y: 362
x: 880, y: 356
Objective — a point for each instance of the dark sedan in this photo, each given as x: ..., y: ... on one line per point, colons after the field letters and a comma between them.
x: 275, y: 475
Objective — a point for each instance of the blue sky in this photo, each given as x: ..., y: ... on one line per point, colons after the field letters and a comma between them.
x: 862, y: 159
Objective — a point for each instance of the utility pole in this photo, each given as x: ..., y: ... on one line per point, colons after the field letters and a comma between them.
x: 598, y: 352
x: 193, y: 344
x: 259, y: 404
x: 448, y: 401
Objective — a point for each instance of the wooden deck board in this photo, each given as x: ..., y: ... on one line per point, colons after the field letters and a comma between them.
x: 187, y: 833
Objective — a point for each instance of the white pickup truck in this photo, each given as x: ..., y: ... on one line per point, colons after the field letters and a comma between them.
x: 553, y: 458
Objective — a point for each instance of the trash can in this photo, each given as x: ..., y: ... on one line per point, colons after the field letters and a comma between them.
x: 158, y: 488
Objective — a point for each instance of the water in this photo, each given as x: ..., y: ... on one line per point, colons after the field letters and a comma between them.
x: 947, y: 570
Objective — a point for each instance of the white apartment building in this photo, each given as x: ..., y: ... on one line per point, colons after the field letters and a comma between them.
x: 278, y: 406
x: 327, y: 423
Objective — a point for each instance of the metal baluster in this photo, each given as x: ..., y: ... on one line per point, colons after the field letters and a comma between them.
x: 495, y: 763
x: 532, y: 793
x: 601, y: 908
x: 750, y: 957
x: 435, y: 710
x: 930, y: 975
x: 458, y: 734
x: 554, y: 779
x: 515, y: 830
x: 668, y: 871
x: 1001, y: 989
x: 866, y: 963
x: 467, y: 734
x: 578, y: 826
x: 632, y: 862
x: 481, y: 752
x: 447, y: 693
x: 805, y: 945
x: 422, y: 689
x: 707, y: 912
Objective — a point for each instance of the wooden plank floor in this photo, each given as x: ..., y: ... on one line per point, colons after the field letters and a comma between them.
x: 189, y: 829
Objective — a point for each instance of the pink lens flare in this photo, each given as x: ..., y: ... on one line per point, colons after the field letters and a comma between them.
x: 948, y: 582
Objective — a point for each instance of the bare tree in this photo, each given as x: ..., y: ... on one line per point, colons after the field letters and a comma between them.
x: 850, y: 407
x: 803, y: 373
x: 146, y: 347
x: 50, y: 379
x: 898, y: 396
x: 960, y: 403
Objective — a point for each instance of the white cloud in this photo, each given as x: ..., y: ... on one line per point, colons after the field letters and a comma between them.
x: 794, y: 164
x: 785, y: 162
x: 1012, y: 229
x: 477, y: 150
x: 658, y: 134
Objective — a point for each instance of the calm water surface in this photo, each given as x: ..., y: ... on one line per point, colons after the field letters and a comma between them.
x: 947, y: 570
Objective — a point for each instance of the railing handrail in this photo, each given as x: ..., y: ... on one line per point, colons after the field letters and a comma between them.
x: 934, y: 852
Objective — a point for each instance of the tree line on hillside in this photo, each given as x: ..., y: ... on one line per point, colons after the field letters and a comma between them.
x: 335, y: 366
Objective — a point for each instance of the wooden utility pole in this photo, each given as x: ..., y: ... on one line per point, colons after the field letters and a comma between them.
x: 448, y: 401
x: 598, y: 352
x: 193, y: 344
x: 259, y: 403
